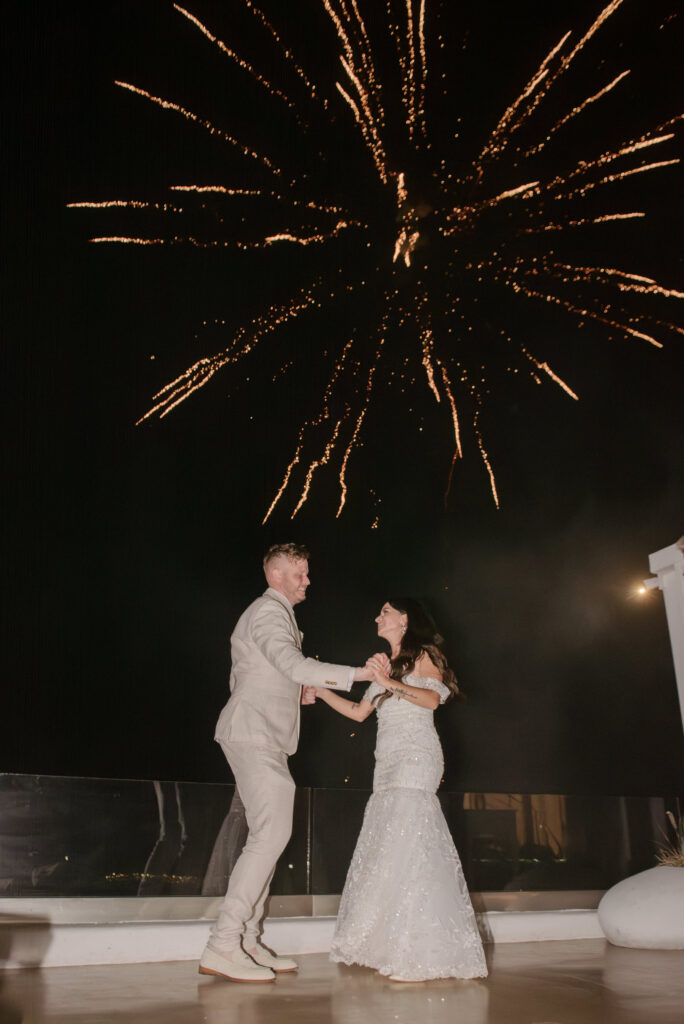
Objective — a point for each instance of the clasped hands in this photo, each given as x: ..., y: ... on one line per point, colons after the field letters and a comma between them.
x: 377, y: 667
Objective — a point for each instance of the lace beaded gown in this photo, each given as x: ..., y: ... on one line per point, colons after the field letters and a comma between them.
x: 405, y: 908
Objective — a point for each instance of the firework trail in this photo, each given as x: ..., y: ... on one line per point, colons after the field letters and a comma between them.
x: 470, y: 233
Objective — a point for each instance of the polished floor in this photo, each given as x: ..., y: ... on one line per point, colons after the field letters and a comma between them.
x: 574, y: 982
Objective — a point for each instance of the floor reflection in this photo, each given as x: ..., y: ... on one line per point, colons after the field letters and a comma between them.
x: 563, y: 982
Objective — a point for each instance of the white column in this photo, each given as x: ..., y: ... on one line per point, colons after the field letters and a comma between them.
x: 668, y: 566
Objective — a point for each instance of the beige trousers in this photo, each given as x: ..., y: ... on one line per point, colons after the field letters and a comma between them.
x: 267, y: 790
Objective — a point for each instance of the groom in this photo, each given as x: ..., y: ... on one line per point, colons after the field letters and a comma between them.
x: 257, y: 729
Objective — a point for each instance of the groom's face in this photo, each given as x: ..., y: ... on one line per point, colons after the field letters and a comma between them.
x: 294, y: 579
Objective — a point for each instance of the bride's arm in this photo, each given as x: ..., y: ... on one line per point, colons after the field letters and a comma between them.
x: 349, y: 708
x: 413, y: 694
x: 421, y: 698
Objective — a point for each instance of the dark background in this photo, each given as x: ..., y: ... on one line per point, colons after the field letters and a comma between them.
x: 130, y: 551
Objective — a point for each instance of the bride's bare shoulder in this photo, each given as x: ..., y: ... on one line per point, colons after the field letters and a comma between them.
x: 426, y: 667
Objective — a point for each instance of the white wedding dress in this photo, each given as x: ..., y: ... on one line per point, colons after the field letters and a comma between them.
x: 405, y: 908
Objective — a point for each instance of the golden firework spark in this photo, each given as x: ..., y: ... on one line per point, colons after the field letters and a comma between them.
x: 245, y: 65
x: 505, y: 185
x: 203, y: 122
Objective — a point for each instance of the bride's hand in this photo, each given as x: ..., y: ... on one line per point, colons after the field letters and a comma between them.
x: 375, y: 670
x: 385, y: 663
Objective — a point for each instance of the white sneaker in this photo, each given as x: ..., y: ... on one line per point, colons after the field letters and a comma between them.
x: 234, y: 965
x: 279, y: 964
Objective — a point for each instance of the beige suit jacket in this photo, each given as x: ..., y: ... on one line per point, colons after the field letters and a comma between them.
x: 267, y: 675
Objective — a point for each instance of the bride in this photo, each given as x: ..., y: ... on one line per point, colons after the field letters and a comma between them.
x: 405, y: 909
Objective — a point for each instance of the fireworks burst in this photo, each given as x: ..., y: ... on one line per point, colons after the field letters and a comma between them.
x: 452, y: 233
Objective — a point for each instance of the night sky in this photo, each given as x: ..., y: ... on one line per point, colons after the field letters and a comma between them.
x: 131, y: 550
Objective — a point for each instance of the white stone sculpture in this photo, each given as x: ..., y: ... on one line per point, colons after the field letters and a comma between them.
x: 646, y: 911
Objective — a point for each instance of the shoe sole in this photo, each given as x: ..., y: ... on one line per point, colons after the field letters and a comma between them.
x: 229, y: 977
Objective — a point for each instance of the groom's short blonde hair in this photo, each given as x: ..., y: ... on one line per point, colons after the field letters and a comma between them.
x: 293, y: 552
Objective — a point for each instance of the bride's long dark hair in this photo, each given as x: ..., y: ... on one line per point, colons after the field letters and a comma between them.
x: 421, y: 636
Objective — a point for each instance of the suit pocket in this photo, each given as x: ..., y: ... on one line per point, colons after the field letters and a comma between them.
x: 272, y: 722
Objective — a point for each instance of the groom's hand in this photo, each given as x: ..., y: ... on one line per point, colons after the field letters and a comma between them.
x: 362, y: 675
x: 308, y: 695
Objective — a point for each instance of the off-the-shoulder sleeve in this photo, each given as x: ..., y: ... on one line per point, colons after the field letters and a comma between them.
x: 428, y: 683
x: 373, y: 691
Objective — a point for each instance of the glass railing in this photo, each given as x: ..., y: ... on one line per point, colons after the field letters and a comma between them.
x: 77, y: 837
